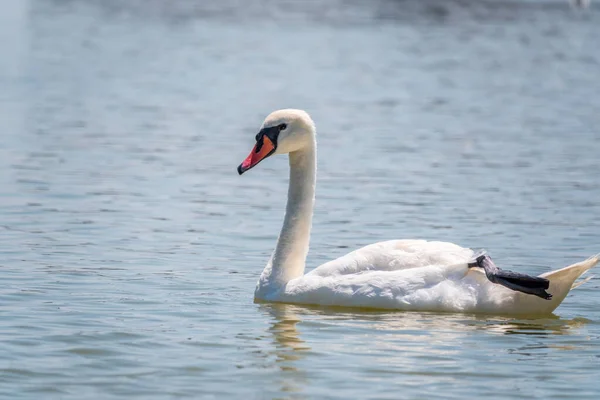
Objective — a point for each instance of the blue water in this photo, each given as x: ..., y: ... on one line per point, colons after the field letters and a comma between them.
x: 130, y: 247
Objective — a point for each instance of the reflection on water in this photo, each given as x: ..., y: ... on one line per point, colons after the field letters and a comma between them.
x: 538, y: 327
x: 284, y: 330
x: 397, y: 340
x: 289, y: 347
x: 433, y: 321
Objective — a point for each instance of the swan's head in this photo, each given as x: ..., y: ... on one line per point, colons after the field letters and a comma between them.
x: 283, y: 131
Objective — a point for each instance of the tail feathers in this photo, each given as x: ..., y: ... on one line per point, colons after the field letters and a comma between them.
x: 572, y: 271
x: 581, y: 282
x: 561, y: 282
x: 586, y: 265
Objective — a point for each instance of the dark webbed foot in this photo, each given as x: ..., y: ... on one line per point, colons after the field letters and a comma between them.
x: 513, y: 280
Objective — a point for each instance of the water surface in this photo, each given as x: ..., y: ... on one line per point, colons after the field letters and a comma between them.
x: 130, y: 248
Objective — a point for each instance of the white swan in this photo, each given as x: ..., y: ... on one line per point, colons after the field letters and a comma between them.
x: 398, y: 274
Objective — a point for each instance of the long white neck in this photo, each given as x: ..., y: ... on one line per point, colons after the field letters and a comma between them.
x: 289, y: 257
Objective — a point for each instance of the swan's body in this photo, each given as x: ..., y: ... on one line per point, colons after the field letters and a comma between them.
x: 398, y: 274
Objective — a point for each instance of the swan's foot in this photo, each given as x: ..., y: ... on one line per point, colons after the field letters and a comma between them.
x: 513, y: 280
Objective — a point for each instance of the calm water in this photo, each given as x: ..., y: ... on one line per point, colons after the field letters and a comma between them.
x: 130, y: 247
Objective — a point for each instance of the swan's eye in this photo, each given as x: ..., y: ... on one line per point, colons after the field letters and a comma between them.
x: 282, y: 126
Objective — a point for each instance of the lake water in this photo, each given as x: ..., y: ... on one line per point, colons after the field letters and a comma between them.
x: 130, y: 247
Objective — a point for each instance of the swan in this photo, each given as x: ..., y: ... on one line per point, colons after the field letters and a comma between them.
x: 411, y: 274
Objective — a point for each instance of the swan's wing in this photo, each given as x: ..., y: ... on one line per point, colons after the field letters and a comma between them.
x: 453, y: 287
x: 395, y: 255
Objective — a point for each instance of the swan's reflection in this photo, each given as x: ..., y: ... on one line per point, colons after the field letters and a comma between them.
x: 546, y: 326
x: 450, y: 323
x: 409, y: 344
x: 289, y: 348
x: 285, y: 332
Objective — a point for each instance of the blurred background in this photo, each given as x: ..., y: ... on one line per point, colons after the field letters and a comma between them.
x: 130, y: 247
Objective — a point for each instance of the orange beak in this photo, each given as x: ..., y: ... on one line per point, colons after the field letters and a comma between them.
x: 263, y: 149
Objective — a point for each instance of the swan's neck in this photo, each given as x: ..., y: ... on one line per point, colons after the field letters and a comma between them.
x: 289, y: 258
